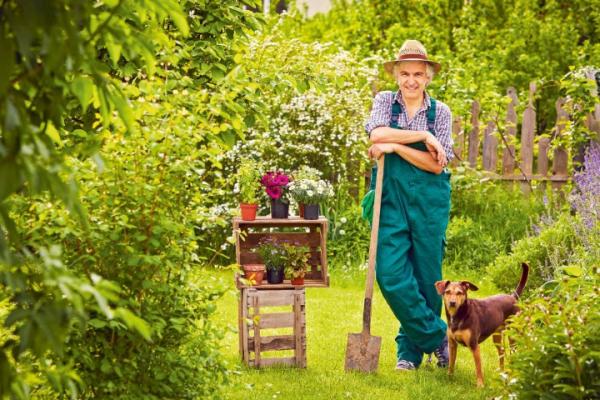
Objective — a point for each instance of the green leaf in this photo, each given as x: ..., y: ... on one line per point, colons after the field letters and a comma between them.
x: 572, y: 270
x: 83, y: 89
x: 53, y: 134
x: 96, y: 323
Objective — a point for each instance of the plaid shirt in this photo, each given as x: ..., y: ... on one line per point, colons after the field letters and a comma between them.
x: 381, y: 115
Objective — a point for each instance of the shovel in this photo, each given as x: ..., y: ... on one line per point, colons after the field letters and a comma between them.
x: 363, y: 348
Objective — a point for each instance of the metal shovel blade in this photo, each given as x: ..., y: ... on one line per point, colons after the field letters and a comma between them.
x: 363, y: 352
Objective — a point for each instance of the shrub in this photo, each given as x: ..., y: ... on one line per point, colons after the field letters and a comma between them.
x: 470, y: 245
x: 551, y: 249
x: 557, y: 344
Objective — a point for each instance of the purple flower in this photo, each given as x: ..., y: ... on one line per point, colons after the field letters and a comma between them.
x: 585, y: 200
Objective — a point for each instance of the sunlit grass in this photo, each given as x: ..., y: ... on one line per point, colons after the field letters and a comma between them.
x: 332, y: 313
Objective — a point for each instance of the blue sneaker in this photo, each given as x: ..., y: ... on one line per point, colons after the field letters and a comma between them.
x: 405, y: 365
x: 442, y: 353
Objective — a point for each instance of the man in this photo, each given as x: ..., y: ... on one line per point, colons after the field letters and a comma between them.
x: 413, y: 132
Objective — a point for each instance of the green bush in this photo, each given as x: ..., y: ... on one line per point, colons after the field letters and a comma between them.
x: 470, y: 245
x: 486, y: 217
x: 557, y: 344
x: 545, y: 253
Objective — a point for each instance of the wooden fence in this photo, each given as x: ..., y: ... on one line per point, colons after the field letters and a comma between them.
x: 491, y: 147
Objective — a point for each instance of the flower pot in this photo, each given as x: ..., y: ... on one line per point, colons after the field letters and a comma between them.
x: 275, y: 275
x: 279, y: 209
x: 311, y: 211
x: 297, y: 281
x: 249, y: 211
x: 254, y: 273
x: 301, y: 210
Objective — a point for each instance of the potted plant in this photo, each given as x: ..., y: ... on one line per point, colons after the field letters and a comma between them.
x: 270, y: 250
x: 295, y: 265
x: 254, y: 273
x: 276, y: 186
x: 248, y: 180
x: 310, y: 193
x: 305, y: 172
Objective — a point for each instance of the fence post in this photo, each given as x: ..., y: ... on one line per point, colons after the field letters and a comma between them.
x: 490, y: 146
x: 459, y: 140
x: 528, y: 134
x: 559, y: 166
x: 474, y: 135
x: 508, y: 155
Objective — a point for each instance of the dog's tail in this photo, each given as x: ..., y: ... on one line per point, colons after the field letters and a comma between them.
x: 523, y: 281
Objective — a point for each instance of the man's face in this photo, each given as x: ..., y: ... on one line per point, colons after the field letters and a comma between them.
x: 412, y: 79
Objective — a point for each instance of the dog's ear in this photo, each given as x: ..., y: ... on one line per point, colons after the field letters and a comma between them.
x: 468, y: 286
x: 441, y: 286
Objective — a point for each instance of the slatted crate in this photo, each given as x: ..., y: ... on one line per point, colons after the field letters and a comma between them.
x: 254, y: 318
x: 308, y: 233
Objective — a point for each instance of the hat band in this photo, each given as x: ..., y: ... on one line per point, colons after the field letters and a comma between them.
x: 413, y: 56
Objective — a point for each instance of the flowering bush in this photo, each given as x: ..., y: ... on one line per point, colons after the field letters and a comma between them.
x: 308, y: 191
x: 586, y: 202
x: 276, y: 185
x: 280, y: 253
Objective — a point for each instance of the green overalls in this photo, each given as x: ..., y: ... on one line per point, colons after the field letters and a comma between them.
x: 415, y: 206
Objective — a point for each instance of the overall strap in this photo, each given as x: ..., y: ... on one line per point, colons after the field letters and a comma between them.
x: 396, y: 111
x: 431, y: 116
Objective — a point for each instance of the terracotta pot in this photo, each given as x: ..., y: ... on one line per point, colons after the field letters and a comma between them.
x: 311, y: 211
x: 297, y: 281
x: 249, y: 211
x: 301, y: 210
x: 254, y: 273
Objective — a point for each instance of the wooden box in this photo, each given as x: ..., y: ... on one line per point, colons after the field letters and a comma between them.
x: 252, y: 322
x: 308, y: 233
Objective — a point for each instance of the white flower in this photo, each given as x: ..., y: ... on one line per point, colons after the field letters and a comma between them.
x: 342, y: 232
x: 310, y: 193
x: 343, y: 220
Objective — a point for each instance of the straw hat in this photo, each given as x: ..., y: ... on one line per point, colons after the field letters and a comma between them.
x: 412, y: 50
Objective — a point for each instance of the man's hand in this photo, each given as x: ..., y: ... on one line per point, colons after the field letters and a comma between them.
x: 376, y: 150
x: 436, y: 150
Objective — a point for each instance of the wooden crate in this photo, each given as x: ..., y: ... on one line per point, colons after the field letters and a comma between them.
x: 308, y: 233
x: 258, y: 319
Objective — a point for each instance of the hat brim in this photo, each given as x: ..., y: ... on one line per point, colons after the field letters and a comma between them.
x: 389, y: 65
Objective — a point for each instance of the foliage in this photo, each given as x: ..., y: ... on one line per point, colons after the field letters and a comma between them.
x: 249, y: 181
x: 296, y: 259
x: 557, y: 344
x: 277, y: 185
x: 586, y: 202
x: 580, y: 90
x: 93, y: 277
x: 485, y: 219
x: 559, y: 240
x: 270, y: 250
x: 319, y: 124
x: 307, y: 191
x: 485, y: 46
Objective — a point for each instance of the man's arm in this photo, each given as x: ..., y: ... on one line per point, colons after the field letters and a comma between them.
x: 421, y: 159
x: 385, y: 134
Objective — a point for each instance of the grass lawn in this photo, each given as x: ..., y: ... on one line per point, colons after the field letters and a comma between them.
x: 332, y: 313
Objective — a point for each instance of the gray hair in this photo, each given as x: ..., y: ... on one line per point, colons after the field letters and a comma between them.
x: 428, y: 68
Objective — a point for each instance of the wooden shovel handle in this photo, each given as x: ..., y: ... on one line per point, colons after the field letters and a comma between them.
x: 373, y: 246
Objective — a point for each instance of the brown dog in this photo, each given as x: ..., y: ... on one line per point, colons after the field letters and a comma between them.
x: 472, y: 321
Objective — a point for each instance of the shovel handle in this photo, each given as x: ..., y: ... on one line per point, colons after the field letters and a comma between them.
x: 373, y: 246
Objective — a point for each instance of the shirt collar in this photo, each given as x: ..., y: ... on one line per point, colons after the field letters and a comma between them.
x: 426, y: 104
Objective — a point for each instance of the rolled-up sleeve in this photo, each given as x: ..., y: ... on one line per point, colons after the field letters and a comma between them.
x: 381, y: 112
x: 443, y: 129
